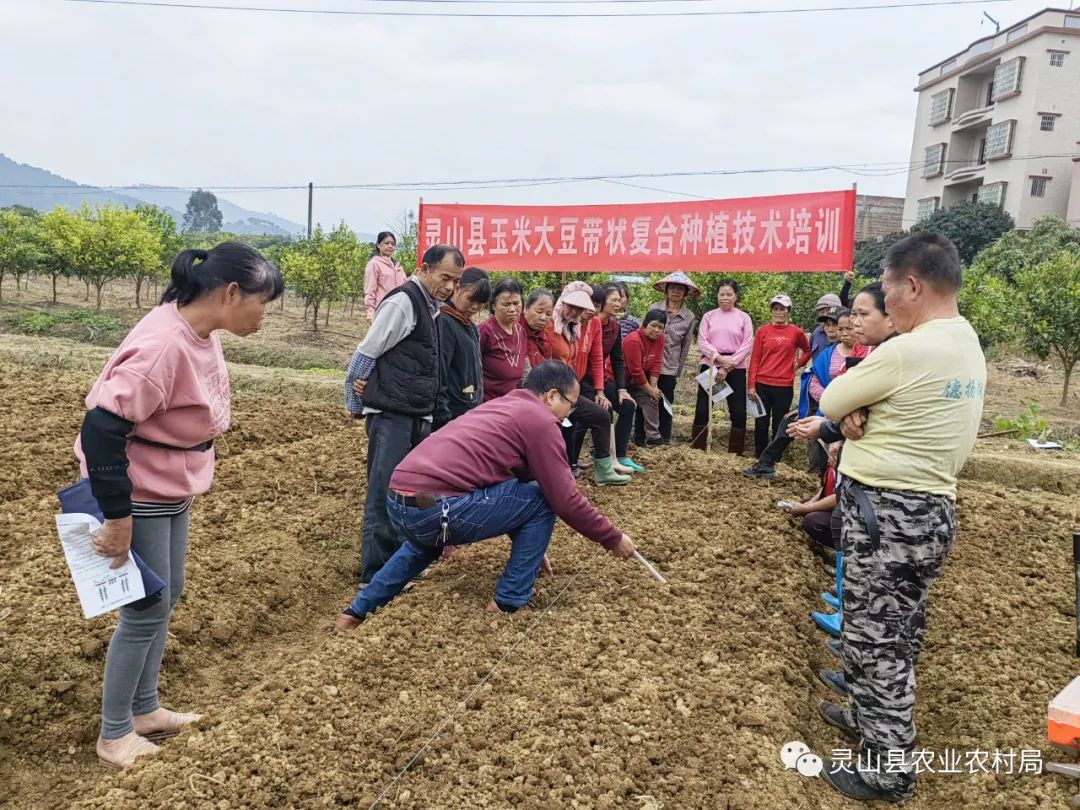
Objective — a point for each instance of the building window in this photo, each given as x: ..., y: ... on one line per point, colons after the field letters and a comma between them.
x: 1007, y: 78
x: 926, y: 208
x: 941, y: 107
x: 1057, y: 58
x: 999, y: 140
x: 994, y: 194
x: 1047, y: 121
x: 934, y: 160
x: 1072, y: 22
x: 945, y: 68
x: 1016, y: 33
x: 1038, y: 186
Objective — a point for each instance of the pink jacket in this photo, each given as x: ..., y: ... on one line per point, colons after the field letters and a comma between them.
x: 380, y: 277
x: 727, y: 334
x: 174, y: 386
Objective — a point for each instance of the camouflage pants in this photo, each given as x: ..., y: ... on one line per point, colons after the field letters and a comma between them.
x: 887, y: 574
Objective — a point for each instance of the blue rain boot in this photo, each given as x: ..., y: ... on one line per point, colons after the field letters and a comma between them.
x: 829, y: 622
x: 633, y: 465
x: 831, y: 600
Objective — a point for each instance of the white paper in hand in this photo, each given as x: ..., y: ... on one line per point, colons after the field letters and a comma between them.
x: 99, y: 587
x: 754, y: 408
x: 722, y: 393
x: 705, y: 378
x: 667, y: 407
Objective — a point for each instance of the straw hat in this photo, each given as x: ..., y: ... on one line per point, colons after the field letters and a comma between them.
x: 678, y: 277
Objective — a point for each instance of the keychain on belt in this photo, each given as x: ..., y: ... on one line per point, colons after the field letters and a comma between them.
x: 444, y: 523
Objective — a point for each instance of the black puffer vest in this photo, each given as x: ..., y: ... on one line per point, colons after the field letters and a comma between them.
x: 406, y: 379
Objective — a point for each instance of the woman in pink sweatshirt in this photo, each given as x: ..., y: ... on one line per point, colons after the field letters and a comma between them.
x: 146, y: 446
x: 726, y: 333
x: 382, y: 274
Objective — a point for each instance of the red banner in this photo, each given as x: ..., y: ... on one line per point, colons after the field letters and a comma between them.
x: 787, y: 233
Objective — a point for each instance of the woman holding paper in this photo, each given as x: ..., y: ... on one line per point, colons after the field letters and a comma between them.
x: 678, y: 335
x: 726, y: 334
x: 146, y: 447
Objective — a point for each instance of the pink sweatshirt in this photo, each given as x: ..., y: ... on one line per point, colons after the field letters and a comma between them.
x: 174, y: 386
x: 380, y: 277
x: 728, y: 333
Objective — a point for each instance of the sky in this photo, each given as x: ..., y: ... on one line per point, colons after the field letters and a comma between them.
x: 118, y: 95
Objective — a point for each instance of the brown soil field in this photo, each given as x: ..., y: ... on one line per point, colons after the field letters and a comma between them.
x: 620, y: 692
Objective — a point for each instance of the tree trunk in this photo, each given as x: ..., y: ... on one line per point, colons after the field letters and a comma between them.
x: 1065, y: 390
x: 99, y: 289
x: 282, y: 306
x: 138, y: 290
x: 315, y: 317
x: 1, y: 285
x: 87, y: 291
x: 54, y: 288
x: 327, y: 313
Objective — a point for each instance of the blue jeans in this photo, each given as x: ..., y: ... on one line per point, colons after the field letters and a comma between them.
x: 511, y: 507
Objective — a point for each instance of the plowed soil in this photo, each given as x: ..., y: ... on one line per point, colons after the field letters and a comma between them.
x: 618, y: 692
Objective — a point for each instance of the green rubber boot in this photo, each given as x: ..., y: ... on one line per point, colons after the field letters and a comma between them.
x: 605, y: 475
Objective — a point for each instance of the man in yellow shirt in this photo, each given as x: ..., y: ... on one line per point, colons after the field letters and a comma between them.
x: 911, y: 411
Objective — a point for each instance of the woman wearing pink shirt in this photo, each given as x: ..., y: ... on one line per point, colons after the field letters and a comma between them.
x: 727, y: 333
x: 146, y: 446
x: 382, y: 273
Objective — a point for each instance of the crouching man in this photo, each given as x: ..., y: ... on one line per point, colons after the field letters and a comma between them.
x: 499, y: 469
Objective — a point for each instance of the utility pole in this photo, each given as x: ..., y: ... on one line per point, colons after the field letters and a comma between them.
x: 310, y: 192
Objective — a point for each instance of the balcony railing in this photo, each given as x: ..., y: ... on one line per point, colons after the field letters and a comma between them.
x: 962, y: 174
x: 980, y: 115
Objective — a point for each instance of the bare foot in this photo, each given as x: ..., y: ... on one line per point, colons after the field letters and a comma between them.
x: 344, y: 622
x: 162, y: 723
x: 123, y: 751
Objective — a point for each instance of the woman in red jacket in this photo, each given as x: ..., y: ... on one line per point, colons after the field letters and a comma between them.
x: 578, y: 342
x: 643, y: 355
x: 779, y: 348
x: 536, y: 318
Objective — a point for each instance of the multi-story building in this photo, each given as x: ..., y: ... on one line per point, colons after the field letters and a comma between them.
x: 1000, y: 121
x: 877, y: 217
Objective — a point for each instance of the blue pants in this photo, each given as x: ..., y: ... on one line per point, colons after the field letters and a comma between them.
x: 511, y: 507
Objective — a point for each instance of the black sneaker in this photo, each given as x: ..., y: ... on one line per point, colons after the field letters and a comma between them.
x: 836, y: 717
x: 851, y: 784
x: 835, y: 646
x: 760, y: 470
x: 834, y: 680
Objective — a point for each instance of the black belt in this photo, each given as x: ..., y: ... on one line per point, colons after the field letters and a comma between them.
x: 422, y: 500
x: 858, y: 492
x: 202, y: 447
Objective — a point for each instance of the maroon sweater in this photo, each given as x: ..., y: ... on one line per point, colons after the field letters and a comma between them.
x: 513, y: 436
x: 503, y: 357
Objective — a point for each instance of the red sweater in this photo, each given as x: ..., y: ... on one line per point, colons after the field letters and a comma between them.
x: 777, y: 350
x: 642, y: 357
x: 514, y: 436
x: 503, y: 357
x: 584, y: 355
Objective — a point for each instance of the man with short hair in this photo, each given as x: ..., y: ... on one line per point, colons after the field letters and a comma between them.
x: 912, y: 411
x: 392, y: 382
x: 498, y: 469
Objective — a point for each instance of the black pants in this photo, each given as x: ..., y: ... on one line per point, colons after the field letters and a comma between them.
x: 666, y: 384
x: 819, y: 525
x: 736, y: 401
x: 588, y: 416
x: 776, y: 399
x: 625, y: 424
x: 390, y: 438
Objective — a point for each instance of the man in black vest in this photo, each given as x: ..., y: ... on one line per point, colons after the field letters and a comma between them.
x: 393, y: 381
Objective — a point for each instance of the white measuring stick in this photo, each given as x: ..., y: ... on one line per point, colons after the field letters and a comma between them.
x: 649, y: 567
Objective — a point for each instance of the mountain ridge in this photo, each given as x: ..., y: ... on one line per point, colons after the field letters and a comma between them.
x: 23, y: 184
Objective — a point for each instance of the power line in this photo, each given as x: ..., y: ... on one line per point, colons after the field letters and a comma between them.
x: 535, y: 15
x: 886, y: 169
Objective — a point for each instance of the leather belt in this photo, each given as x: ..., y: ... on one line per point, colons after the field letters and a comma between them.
x: 421, y: 500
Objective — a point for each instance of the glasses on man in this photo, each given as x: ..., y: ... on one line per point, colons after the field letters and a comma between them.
x: 568, y: 401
